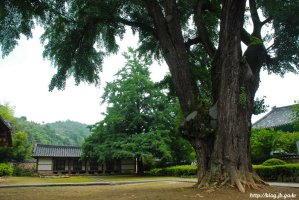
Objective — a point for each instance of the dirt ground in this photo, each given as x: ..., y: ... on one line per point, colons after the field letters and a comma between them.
x: 145, y: 191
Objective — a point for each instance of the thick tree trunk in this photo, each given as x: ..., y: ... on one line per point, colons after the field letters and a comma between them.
x: 230, y: 162
x: 224, y: 158
x: 202, y: 147
x: 169, y: 33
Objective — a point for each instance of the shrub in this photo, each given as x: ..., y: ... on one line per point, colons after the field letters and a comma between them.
x: 155, y: 172
x: 286, y: 172
x: 273, y: 161
x: 5, y: 169
x: 180, y: 170
x: 23, y: 170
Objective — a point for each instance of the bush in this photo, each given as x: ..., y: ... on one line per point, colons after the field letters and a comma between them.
x: 155, y: 172
x: 5, y: 169
x: 286, y: 172
x: 23, y: 170
x: 273, y: 161
x: 180, y: 170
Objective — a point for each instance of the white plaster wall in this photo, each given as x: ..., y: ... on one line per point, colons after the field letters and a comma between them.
x: 126, y: 167
x: 45, y: 164
x: 127, y: 162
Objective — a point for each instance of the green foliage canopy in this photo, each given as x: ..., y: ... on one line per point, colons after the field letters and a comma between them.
x: 139, y: 120
x: 79, y: 34
x: 7, y: 112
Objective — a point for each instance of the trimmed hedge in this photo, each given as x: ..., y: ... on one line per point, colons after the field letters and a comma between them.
x: 179, y: 170
x: 286, y: 172
x: 5, y: 169
x: 273, y: 161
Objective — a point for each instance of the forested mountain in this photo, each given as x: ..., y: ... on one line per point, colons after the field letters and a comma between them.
x: 61, y: 132
x: 27, y: 133
x: 72, y: 132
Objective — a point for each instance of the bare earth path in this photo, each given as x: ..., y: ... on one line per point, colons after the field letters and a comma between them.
x: 143, y: 191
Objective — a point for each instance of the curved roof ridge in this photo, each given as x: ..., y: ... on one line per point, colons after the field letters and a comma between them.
x: 56, y: 145
x: 278, y: 116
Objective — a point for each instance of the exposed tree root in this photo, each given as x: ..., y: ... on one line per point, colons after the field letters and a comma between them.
x: 224, y: 182
x: 250, y: 181
x: 259, y: 180
x: 239, y: 185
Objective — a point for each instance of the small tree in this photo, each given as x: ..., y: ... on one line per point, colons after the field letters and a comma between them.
x: 264, y: 142
x: 21, y: 147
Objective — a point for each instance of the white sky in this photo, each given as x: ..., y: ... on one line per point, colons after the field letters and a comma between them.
x: 25, y: 76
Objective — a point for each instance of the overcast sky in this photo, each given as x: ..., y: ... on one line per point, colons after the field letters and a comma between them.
x: 25, y: 76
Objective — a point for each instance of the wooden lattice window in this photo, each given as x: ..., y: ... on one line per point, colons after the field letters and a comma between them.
x: 77, y: 165
x: 59, y: 164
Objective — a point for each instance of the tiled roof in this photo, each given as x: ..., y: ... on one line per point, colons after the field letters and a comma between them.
x: 4, y: 126
x: 278, y: 116
x: 5, y: 133
x: 46, y: 150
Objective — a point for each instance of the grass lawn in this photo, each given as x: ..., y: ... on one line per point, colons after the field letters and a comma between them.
x: 147, y: 191
x: 120, y: 178
x: 75, y: 179
x: 34, y: 180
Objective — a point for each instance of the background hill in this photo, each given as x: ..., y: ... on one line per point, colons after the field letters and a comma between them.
x: 61, y: 132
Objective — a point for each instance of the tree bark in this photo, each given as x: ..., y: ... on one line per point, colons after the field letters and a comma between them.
x: 170, y: 36
x: 169, y: 33
x: 228, y: 161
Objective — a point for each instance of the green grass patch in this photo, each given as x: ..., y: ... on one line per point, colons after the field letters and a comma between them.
x: 38, y: 180
x: 116, y: 178
x: 78, y: 179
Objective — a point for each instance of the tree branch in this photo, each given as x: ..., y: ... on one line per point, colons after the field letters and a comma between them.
x: 202, y: 30
x: 191, y: 42
x: 253, y: 11
x: 140, y: 25
x: 245, y: 37
x: 266, y: 21
x: 155, y: 11
x: 257, y: 24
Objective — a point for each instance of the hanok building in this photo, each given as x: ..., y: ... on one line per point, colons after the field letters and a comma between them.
x: 279, y: 118
x: 57, y: 159
x: 5, y: 133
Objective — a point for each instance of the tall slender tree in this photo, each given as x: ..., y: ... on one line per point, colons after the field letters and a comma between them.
x: 139, y: 121
x: 200, y: 40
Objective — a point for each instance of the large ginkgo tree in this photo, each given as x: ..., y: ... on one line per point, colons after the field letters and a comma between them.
x: 200, y: 40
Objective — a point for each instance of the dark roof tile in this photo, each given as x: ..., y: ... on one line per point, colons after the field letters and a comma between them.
x: 278, y: 116
x: 46, y: 150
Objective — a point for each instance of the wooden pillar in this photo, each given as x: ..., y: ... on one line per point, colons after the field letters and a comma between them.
x: 69, y: 165
x: 104, y: 168
x: 36, y: 168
